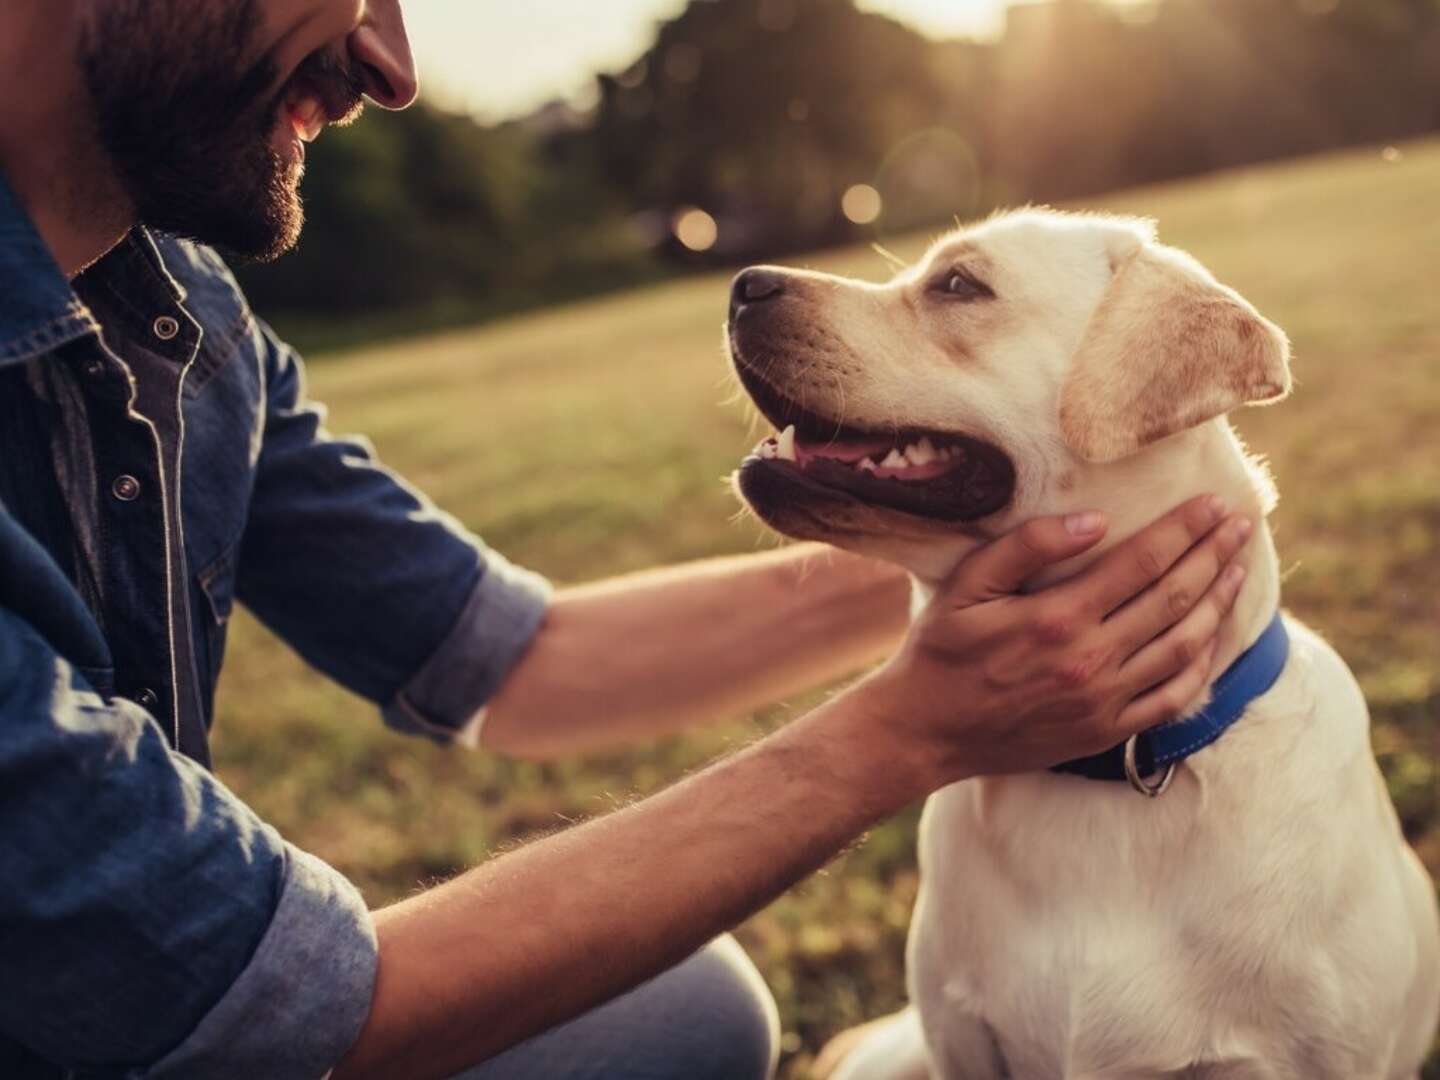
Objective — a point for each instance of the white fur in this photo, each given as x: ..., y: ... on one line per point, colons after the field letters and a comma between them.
x: 1265, y: 917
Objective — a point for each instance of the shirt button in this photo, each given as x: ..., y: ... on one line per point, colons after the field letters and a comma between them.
x: 94, y: 369
x: 125, y: 488
x: 165, y: 327
x: 147, y: 699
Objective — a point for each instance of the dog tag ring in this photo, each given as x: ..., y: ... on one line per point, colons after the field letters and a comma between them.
x: 1138, y: 782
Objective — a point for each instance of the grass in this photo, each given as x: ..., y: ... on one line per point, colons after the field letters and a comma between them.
x: 592, y: 439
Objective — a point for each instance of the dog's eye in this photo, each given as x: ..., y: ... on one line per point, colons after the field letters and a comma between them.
x: 963, y: 285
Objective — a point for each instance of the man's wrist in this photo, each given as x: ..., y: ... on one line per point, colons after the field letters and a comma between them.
x: 860, y: 743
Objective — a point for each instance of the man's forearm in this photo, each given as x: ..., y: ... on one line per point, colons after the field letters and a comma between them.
x: 540, y: 935
x: 652, y: 653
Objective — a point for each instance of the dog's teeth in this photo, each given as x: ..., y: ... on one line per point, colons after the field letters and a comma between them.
x: 894, y: 460
x: 785, y: 444
x: 867, y: 465
x: 922, y: 453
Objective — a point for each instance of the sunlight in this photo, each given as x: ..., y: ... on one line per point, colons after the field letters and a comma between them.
x: 944, y: 18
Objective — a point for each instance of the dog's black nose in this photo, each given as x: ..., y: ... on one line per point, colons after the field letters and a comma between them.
x: 756, y: 285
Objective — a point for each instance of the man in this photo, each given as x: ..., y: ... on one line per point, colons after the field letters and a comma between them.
x: 158, y: 459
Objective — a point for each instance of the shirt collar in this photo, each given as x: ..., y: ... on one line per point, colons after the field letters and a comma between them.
x: 39, y: 311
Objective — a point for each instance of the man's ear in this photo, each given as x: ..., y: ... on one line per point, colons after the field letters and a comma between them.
x: 1168, y: 348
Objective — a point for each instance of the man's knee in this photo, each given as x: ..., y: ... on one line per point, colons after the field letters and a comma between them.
x: 710, y: 1018
x: 736, y: 1031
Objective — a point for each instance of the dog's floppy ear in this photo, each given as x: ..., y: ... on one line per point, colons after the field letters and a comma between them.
x: 1168, y: 348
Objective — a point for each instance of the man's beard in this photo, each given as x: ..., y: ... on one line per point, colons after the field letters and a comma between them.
x: 189, y: 137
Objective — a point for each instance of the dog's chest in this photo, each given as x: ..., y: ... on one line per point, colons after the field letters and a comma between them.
x: 1084, y: 929
x: 1069, y: 945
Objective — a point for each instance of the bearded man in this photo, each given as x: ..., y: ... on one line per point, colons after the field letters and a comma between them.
x: 159, y: 459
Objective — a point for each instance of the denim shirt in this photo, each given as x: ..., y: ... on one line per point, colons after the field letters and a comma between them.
x: 158, y: 461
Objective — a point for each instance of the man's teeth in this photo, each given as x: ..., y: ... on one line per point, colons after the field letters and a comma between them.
x: 785, y: 444
x: 307, y: 117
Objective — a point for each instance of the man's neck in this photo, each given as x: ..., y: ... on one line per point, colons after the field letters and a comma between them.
x: 48, y: 154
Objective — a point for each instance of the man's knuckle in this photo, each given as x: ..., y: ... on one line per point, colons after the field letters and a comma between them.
x: 1150, y: 561
x: 1077, y: 671
x: 1185, y: 649
x: 1198, y: 519
x: 1054, y: 625
x: 1178, y: 601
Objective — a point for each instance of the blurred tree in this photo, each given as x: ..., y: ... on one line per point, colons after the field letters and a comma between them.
x: 764, y: 112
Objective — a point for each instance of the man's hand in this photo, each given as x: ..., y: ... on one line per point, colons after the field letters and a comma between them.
x: 992, y: 681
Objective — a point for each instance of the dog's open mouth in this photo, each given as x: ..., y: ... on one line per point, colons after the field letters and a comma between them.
x: 932, y: 474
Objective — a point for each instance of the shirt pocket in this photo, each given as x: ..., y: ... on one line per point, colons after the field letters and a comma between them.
x: 215, y: 585
x: 224, y: 429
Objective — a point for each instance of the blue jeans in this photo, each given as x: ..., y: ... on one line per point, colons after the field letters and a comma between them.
x: 710, y: 1018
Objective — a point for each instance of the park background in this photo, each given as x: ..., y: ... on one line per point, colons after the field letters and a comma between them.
x: 519, y: 298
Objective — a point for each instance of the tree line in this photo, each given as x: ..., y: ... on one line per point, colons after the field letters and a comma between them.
x: 763, y: 114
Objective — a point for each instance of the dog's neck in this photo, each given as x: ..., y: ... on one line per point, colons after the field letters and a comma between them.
x: 1136, y: 491
x: 1209, y: 459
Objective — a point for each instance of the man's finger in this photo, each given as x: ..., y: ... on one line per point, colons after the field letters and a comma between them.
x: 1177, y: 649
x: 1001, y: 567
x: 1143, y: 559
x: 1175, y: 595
x: 1165, y: 702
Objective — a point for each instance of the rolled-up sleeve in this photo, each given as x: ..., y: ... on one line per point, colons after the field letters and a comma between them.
x: 151, y: 926
x: 368, y: 580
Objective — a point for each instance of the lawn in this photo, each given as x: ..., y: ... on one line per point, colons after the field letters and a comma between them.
x: 591, y: 439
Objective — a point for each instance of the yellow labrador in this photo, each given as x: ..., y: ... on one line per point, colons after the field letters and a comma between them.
x: 1263, y: 917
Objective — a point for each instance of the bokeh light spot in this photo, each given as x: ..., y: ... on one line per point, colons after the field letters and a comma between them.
x: 1390, y: 155
x: 695, y: 229
x: 862, y: 204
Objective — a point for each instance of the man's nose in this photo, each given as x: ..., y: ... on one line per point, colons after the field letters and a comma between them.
x: 381, y: 49
x: 756, y: 285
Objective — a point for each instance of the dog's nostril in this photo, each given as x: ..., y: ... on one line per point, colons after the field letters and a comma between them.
x: 756, y: 284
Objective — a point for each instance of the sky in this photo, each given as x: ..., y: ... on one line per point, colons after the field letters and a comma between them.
x: 499, y: 58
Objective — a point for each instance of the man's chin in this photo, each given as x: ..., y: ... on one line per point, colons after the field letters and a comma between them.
x: 257, y: 225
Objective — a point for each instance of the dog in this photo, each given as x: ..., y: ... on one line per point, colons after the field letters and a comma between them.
x: 1263, y: 917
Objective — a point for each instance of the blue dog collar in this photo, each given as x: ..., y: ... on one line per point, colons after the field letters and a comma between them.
x: 1162, y: 748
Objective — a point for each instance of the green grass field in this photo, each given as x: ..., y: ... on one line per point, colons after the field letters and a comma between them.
x: 593, y: 439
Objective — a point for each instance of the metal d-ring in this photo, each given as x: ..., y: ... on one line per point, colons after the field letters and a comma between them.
x: 1138, y: 782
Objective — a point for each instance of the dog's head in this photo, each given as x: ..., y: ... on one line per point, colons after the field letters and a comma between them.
x: 1018, y: 369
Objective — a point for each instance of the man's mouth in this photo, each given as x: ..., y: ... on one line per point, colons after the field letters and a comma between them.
x: 307, y: 114
x: 322, y: 91
x: 944, y: 476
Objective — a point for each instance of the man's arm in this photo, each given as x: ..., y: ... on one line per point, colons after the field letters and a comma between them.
x: 705, y: 641
x: 150, y: 923
x: 984, y: 684
x: 424, y: 620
